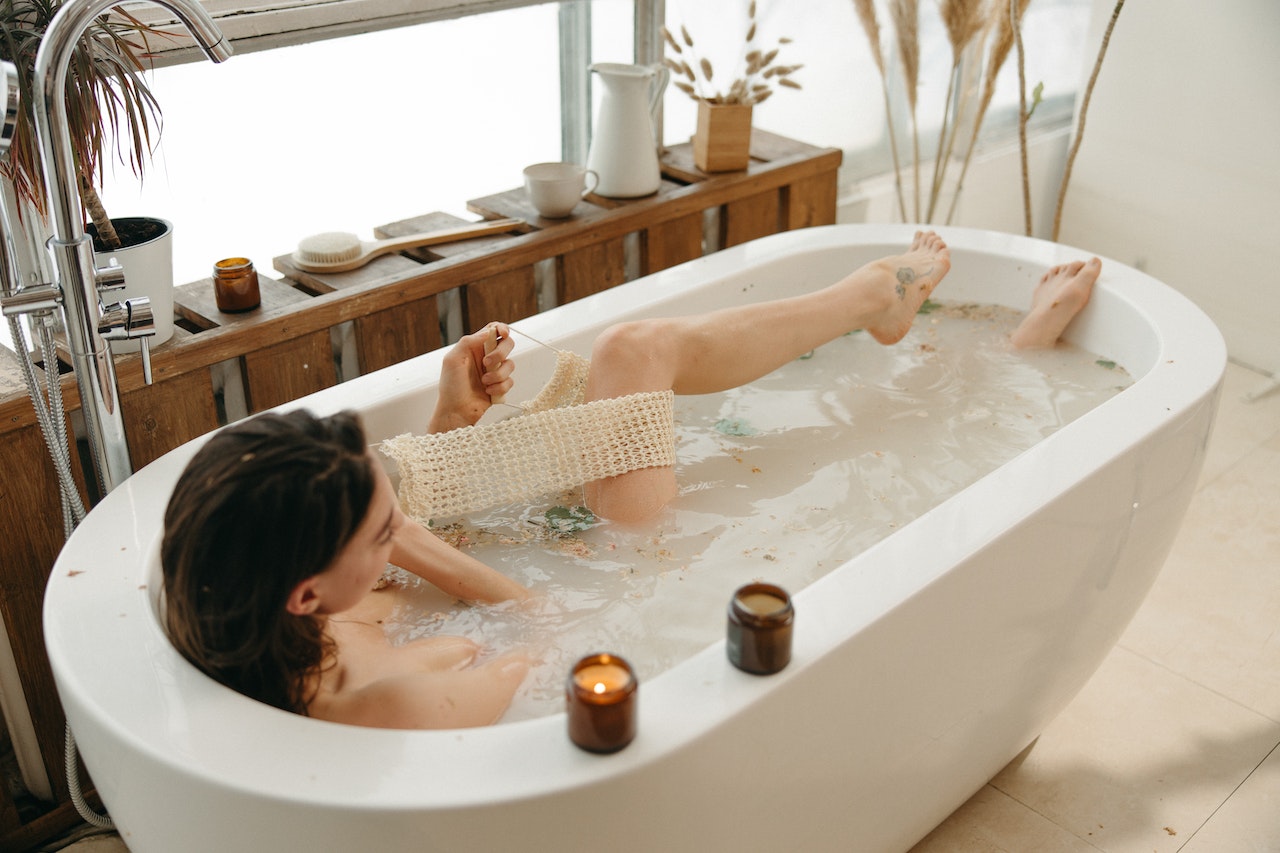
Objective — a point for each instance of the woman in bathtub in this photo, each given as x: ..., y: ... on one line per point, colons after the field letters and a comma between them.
x: 280, y: 526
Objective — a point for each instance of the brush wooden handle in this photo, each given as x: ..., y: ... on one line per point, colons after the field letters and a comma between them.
x: 444, y: 235
x: 365, y: 252
x: 490, y: 344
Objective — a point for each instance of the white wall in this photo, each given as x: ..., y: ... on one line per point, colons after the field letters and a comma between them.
x: 992, y: 197
x: 1179, y: 171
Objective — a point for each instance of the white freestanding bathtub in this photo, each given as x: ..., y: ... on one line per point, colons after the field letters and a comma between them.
x: 921, y: 666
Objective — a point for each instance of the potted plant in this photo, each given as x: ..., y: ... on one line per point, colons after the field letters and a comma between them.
x: 110, y: 108
x: 722, y: 139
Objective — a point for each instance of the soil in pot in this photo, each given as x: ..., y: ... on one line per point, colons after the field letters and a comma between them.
x: 132, y: 230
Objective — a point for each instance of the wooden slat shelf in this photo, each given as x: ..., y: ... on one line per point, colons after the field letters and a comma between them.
x: 197, y: 310
x: 284, y: 347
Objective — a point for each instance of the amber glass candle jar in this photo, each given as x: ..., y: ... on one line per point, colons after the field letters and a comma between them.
x: 601, y: 703
x: 235, y: 285
x: 759, y: 633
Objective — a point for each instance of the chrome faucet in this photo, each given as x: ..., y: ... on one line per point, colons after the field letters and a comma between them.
x: 11, y: 95
x: 78, y: 281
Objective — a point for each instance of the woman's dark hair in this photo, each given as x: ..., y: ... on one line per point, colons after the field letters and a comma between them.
x: 264, y: 504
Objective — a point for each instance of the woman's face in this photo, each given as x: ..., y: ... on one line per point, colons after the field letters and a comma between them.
x: 357, y: 567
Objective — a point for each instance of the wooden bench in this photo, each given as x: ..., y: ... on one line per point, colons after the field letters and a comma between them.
x: 391, y: 310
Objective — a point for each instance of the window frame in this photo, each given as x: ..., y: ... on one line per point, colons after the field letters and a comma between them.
x: 252, y: 25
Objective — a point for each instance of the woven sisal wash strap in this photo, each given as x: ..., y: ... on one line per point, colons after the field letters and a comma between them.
x: 567, y: 386
x: 532, y: 455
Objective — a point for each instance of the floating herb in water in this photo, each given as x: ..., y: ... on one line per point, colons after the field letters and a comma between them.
x: 562, y: 521
x: 734, y: 426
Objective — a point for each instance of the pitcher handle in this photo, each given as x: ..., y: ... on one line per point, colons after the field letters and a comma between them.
x: 661, y: 77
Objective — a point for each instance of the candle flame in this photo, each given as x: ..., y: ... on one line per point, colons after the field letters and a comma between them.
x: 600, y: 687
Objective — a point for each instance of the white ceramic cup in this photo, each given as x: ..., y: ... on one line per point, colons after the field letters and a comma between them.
x: 555, y: 188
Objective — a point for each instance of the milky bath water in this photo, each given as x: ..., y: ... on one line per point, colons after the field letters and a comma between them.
x: 780, y: 481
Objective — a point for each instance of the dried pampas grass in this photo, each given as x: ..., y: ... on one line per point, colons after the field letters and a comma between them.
x: 866, y: 10
x: 1003, y: 42
x: 1001, y: 26
x: 906, y: 25
x: 963, y: 21
x: 1084, y: 109
x: 759, y: 73
x: 993, y: 26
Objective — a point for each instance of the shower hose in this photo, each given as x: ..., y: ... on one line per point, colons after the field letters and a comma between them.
x: 53, y: 425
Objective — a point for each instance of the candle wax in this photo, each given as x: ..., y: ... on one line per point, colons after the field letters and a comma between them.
x: 762, y: 603
x: 602, y: 678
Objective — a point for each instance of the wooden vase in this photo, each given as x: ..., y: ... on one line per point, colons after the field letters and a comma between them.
x: 722, y: 141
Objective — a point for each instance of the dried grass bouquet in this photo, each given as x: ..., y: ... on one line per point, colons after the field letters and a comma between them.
x: 695, y: 76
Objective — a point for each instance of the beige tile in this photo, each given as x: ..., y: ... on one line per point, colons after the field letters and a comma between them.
x: 1213, y: 611
x: 1241, y: 426
x: 1249, y: 822
x: 1150, y: 754
x: 1140, y: 759
x: 991, y: 822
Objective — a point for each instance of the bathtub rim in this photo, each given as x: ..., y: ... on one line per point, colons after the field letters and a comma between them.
x: 659, y: 732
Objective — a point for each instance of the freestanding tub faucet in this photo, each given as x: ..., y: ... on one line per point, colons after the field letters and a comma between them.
x: 10, y: 95
x: 9, y: 123
x: 77, y: 279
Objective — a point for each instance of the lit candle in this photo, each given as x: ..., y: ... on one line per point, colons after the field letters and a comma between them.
x: 601, y: 703
x: 759, y: 633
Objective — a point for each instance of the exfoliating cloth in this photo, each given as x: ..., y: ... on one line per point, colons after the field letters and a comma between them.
x: 558, y: 443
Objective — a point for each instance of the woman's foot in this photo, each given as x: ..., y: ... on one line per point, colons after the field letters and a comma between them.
x: 1061, y: 294
x: 913, y: 275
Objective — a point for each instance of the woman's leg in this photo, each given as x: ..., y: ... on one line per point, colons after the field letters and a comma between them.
x: 1061, y: 294
x: 723, y: 349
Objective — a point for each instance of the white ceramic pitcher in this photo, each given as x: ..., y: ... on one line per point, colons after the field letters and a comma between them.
x: 624, y: 146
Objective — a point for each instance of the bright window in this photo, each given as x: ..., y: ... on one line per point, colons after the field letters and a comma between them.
x: 352, y: 132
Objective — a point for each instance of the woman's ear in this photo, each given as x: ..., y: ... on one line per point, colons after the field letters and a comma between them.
x: 304, y: 600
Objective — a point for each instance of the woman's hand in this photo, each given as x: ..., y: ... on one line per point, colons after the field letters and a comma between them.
x: 470, y: 379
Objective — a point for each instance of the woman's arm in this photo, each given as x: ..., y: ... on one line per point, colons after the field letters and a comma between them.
x: 420, y: 551
x: 469, y: 378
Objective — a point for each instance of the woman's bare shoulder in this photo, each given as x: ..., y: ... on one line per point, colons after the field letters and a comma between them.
x: 428, y: 699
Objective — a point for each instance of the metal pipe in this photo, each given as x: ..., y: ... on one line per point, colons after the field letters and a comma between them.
x: 76, y: 275
x: 12, y: 96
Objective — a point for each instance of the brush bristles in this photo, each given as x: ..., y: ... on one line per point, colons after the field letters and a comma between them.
x: 332, y: 247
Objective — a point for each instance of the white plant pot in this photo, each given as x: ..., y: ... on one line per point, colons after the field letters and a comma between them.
x: 148, y: 271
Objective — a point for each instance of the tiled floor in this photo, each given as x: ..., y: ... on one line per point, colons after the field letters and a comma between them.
x: 1172, y: 746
